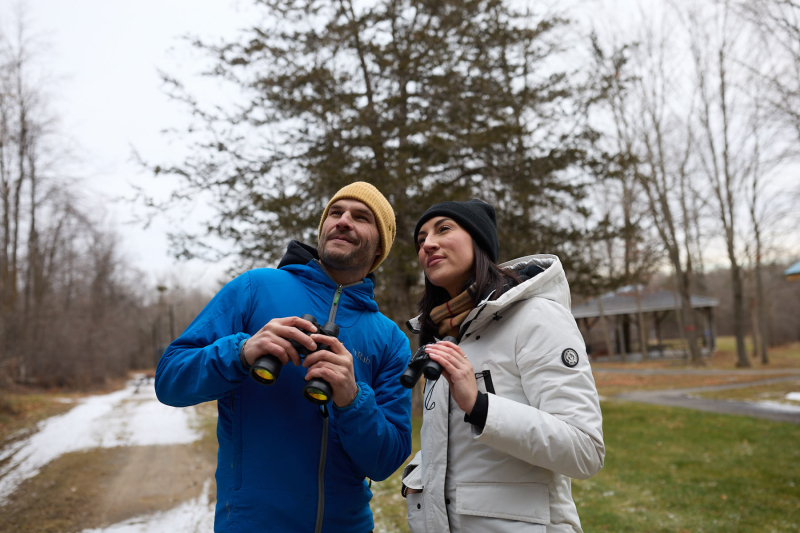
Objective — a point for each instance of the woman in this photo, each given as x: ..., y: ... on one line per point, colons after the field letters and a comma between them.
x: 517, y: 413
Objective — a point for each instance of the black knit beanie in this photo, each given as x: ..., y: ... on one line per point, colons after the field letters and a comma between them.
x: 476, y: 217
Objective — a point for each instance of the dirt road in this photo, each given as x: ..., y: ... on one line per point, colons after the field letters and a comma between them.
x: 120, y: 463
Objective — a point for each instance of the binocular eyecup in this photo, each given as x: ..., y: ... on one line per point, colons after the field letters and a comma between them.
x: 421, y: 364
x: 267, y: 368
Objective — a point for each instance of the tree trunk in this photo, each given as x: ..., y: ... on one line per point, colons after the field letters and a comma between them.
x: 761, y: 310
x: 739, y: 319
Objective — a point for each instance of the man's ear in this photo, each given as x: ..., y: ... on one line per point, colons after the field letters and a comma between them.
x: 378, y: 252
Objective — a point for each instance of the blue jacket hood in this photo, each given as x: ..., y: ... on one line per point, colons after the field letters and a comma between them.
x: 303, y: 260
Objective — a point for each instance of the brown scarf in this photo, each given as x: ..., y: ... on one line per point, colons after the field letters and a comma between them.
x: 451, y: 314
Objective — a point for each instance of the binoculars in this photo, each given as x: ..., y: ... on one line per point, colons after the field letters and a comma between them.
x: 267, y: 368
x: 421, y: 364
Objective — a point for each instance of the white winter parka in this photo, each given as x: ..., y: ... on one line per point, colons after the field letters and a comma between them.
x: 543, y: 426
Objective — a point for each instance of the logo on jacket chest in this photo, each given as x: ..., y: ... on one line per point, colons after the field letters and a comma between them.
x: 361, y: 357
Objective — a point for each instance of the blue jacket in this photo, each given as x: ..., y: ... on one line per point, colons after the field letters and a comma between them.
x: 270, y: 436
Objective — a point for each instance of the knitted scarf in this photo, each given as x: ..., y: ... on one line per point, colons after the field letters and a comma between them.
x: 452, y: 313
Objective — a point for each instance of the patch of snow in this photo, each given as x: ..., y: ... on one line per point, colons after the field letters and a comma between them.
x: 193, y: 516
x: 794, y: 396
x: 777, y: 406
x: 132, y: 416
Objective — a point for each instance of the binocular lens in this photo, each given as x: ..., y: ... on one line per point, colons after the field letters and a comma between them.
x: 264, y: 375
x: 316, y: 394
x: 408, y: 379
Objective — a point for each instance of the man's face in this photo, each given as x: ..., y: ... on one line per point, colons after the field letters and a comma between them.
x: 349, y: 239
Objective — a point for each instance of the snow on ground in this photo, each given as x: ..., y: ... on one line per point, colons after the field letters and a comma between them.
x: 778, y: 406
x: 129, y: 417
x: 193, y: 516
x: 794, y: 396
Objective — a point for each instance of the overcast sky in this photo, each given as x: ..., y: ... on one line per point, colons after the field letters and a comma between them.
x: 103, y: 59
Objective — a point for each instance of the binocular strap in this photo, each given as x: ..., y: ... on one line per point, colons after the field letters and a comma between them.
x: 321, y: 473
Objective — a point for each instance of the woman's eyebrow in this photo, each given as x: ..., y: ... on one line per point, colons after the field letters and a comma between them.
x: 442, y: 221
x: 435, y: 225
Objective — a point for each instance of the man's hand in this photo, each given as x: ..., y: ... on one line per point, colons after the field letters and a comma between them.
x: 334, y: 366
x: 274, y: 337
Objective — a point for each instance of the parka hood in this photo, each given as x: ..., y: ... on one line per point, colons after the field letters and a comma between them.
x: 545, y: 279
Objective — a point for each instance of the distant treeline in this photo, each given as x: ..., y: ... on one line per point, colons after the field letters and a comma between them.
x: 781, y: 302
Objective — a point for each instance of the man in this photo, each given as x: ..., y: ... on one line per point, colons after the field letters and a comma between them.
x: 284, y: 463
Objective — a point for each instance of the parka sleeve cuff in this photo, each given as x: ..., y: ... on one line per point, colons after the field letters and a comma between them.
x: 479, y: 412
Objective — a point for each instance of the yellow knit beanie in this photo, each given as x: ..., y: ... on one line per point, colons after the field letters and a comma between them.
x: 367, y: 194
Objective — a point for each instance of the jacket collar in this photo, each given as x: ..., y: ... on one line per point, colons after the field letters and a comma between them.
x: 546, y: 279
x: 303, y: 260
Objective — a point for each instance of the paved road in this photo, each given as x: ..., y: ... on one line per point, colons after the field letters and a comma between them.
x: 683, y: 398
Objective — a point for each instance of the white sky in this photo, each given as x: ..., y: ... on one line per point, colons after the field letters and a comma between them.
x: 104, y: 58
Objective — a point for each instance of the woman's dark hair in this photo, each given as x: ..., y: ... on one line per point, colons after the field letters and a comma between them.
x: 488, y: 277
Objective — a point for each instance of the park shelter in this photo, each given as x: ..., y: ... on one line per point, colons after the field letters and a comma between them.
x: 793, y: 272
x: 611, y: 327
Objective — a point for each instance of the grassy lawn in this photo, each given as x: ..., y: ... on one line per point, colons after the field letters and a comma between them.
x: 677, y: 470
x: 673, y: 470
x: 787, y: 356
x: 724, y: 358
x: 783, y: 358
x: 612, y: 384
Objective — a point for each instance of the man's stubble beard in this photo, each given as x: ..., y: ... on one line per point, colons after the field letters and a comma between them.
x: 362, y: 256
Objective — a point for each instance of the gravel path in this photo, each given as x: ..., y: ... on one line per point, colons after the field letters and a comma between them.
x: 683, y: 397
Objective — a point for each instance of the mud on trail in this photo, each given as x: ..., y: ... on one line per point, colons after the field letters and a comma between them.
x: 118, y: 468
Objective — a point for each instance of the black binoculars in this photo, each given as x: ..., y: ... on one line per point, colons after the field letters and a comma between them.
x: 267, y: 368
x: 420, y: 364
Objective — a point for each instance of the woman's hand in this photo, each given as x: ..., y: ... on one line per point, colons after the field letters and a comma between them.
x: 458, y: 372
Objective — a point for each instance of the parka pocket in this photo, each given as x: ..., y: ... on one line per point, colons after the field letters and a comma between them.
x: 416, y: 513
x: 519, y: 502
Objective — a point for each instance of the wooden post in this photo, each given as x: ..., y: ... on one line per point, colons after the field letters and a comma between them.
x: 642, y: 325
x: 621, y: 340
x: 604, y: 325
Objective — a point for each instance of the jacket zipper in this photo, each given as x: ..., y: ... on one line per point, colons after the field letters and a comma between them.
x: 324, y: 444
x: 335, y: 306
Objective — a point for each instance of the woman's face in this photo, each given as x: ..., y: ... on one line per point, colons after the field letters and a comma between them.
x: 446, y: 254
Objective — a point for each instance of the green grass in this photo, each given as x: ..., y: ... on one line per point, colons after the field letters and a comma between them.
x: 672, y: 470
x: 786, y: 356
x: 677, y: 470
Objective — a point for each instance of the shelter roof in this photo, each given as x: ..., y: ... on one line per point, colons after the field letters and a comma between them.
x: 792, y: 270
x: 623, y: 302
